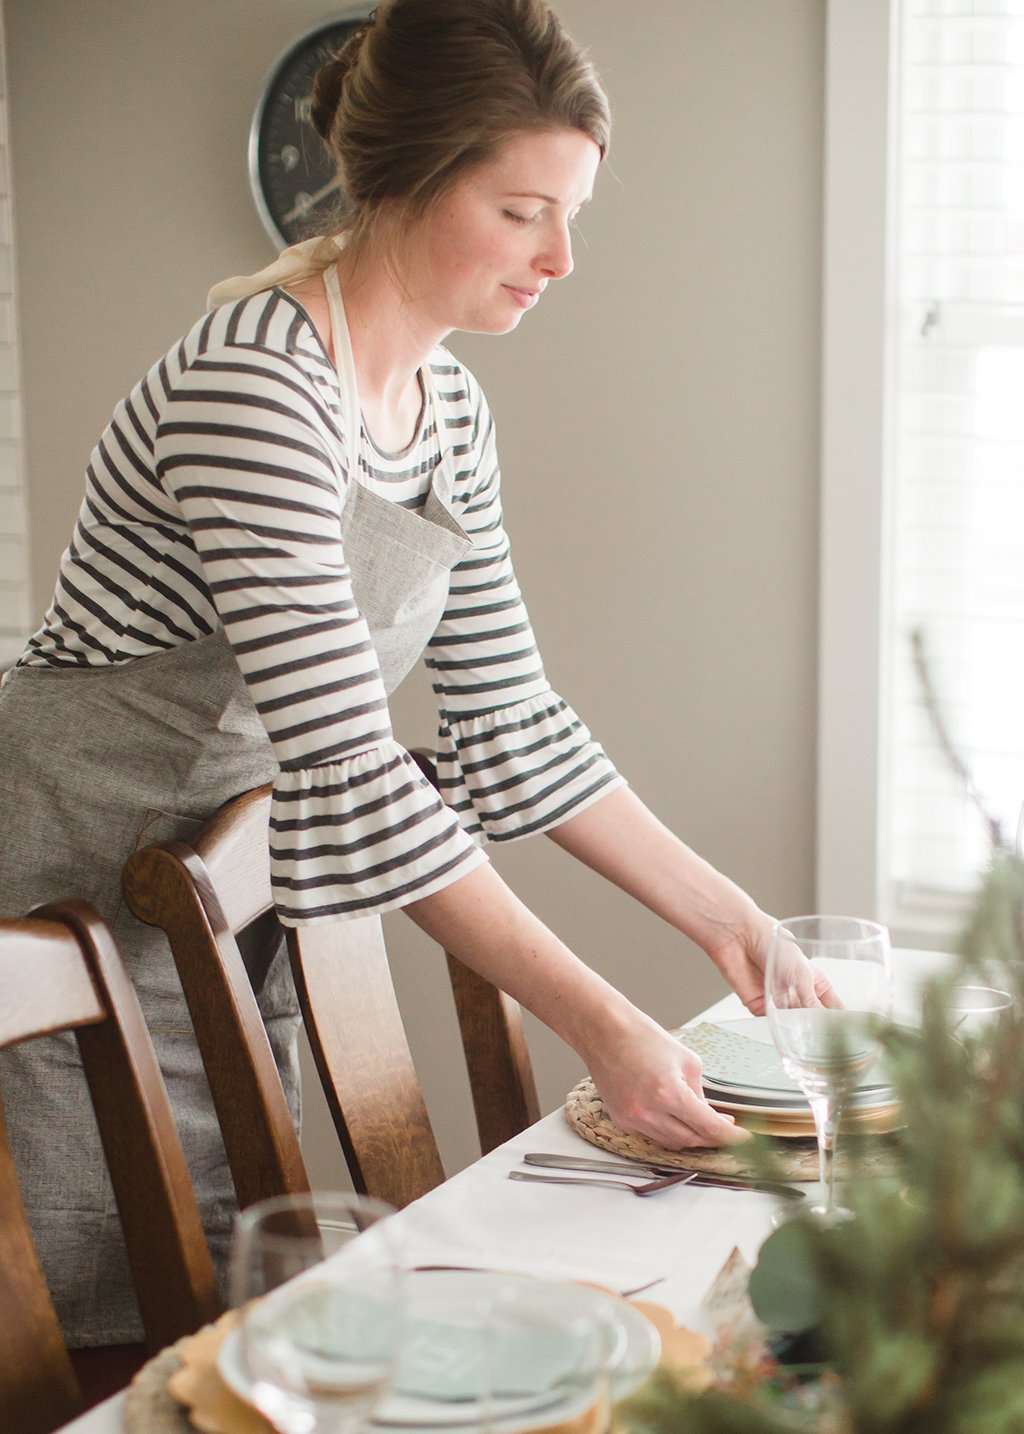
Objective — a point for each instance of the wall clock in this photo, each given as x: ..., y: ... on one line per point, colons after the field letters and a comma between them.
x: 292, y: 176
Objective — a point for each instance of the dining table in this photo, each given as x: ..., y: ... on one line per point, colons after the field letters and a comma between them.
x: 674, y: 1242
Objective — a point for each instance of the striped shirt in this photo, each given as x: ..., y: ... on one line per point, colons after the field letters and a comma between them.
x: 213, y: 500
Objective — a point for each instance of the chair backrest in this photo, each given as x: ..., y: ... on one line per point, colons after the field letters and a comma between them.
x: 498, y: 1062
x: 203, y: 896
x: 60, y: 971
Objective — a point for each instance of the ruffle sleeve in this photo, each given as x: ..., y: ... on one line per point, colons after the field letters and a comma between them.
x: 361, y: 836
x: 522, y: 769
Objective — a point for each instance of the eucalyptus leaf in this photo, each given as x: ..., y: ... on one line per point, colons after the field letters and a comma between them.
x: 784, y: 1287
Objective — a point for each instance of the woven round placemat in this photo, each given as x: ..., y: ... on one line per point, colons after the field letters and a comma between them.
x: 149, y: 1408
x: 796, y: 1160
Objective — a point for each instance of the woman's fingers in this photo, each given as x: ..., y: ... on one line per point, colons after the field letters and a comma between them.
x: 823, y: 990
x: 675, y: 1134
x: 695, y: 1118
x: 692, y: 1069
x: 693, y: 1073
x: 795, y: 981
x: 694, y: 1133
x: 682, y: 1120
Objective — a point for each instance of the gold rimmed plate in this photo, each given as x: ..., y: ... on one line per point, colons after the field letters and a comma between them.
x: 787, y: 1126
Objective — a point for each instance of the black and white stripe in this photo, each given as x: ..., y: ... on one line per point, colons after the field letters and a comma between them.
x: 214, y: 498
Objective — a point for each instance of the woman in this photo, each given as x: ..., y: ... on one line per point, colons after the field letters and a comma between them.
x: 285, y: 513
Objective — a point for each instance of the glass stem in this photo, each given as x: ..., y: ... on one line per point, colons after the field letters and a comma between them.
x: 825, y: 1110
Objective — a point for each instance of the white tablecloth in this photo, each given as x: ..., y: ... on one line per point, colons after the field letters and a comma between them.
x: 682, y: 1235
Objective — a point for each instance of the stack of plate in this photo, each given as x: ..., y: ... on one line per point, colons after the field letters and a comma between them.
x: 743, y: 1075
x: 541, y: 1373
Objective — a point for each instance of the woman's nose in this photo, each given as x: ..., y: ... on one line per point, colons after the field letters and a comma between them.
x: 556, y: 261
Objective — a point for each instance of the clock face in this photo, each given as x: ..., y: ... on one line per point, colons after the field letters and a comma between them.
x: 292, y: 175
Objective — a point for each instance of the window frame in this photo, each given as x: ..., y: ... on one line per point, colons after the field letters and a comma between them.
x: 861, y: 37
x: 859, y: 341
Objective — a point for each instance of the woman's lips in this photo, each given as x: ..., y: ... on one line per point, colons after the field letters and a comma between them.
x: 525, y: 298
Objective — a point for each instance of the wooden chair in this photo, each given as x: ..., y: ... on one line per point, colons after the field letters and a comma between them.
x: 204, y: 896
x: 60, y: 971
x: 498, y: 1063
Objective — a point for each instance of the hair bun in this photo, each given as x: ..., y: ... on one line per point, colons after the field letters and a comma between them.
x: 330, y: 78
x: 326, y: 95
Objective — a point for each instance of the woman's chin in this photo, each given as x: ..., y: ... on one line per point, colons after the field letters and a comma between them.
x: 496, y: 322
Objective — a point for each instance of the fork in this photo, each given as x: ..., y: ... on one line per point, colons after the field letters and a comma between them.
x: 650, y: 1187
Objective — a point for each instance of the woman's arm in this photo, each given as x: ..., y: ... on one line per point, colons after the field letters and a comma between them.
x: 649, y: 1082
x: 623, y: 840
x: 514, y: 759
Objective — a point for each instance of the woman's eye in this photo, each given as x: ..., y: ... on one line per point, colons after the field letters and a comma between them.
x: 517, y: 218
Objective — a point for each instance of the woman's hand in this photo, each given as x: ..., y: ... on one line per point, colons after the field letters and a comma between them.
x: 742, y: 957
x: 651, y: 1084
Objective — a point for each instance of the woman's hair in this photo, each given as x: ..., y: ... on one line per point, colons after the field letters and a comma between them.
x: 426, y: 90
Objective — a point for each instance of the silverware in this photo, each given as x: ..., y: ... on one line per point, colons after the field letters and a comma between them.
x: 638, y: 1169
x: 650, y: 1187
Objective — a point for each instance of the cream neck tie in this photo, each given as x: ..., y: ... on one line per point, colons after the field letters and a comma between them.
x: 299, y: 261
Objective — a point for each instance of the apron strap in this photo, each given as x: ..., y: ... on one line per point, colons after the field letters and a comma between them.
x: 447, y: 465
x: 344, y: 363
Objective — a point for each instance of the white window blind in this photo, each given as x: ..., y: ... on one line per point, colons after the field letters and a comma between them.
x: 956, y: 451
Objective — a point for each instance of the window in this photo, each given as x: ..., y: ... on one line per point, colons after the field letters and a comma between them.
x: 937, y: 361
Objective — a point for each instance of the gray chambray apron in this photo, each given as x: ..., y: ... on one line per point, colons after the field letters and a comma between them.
x: 100, y: 761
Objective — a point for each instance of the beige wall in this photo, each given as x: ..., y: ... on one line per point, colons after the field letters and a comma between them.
x: 658, y: 414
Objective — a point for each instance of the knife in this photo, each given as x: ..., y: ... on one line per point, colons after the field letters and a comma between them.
x: 702, y: 1177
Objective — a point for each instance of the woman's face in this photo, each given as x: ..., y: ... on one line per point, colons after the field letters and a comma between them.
x: 487, y: 251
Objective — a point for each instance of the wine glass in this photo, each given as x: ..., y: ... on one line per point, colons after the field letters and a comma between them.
x: 979, y: 1016
x: 977, y: 1010
x: 828, y: 1050
x: 317, y: 1277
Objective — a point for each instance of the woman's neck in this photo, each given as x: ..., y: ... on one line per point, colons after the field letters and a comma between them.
x: 392, y: 335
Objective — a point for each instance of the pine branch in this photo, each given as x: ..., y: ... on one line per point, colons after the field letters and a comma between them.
x: 959, y: 766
